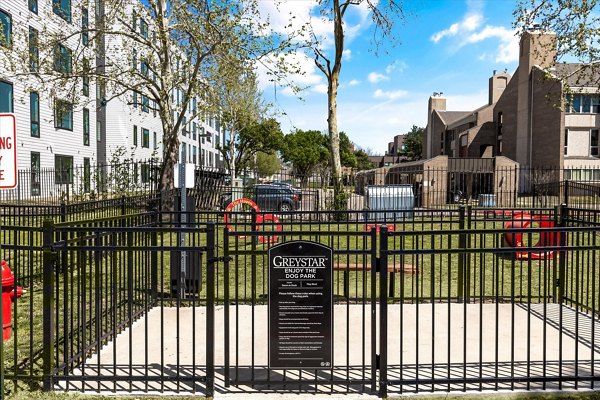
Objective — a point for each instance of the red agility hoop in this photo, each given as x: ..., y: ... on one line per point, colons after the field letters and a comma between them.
x: 515, y: 239
x: 237, y: 202
x: 275, y: 223
x: 260, y: 219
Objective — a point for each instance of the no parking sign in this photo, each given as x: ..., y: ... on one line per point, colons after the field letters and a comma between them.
x: 8, y: 151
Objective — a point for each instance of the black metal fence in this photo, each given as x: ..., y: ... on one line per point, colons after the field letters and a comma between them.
x: 473, y: 298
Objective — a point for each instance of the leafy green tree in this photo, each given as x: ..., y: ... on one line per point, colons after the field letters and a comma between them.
x: 362, y: 160
x: 305, y: 150
x: 267, y: 164
x: 264, y: 136
x: 412, y: 147
x: 347, y: 156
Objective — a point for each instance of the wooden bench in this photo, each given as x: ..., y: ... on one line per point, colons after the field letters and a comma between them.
x: 392, y: 269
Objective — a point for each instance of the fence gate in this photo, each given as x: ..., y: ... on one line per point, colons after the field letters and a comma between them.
x: 247, y: 309
x: 121, y: 315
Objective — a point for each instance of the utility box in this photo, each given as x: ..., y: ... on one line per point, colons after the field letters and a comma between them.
x: 487, y: 200
x: 389, y: 202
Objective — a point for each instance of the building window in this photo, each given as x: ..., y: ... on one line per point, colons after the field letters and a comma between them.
x: 143, y: 28
x: 184, y: 125
x: 86, y: 127
x: 87, y: 174
x: 154, y: 141
x: 35, y: 173
x: 194, y: 154
x: 98, y: 131
x: 85, y: 25
x: 63, y: 169
x: 145, y: 173
x: 86, y: 77
x: 135, y: 135
x: 33, y: 6
x: 63, y: 115
x: 5, y: 28
x: 594, y: 143
x: 145, y: 68
x: 145, y: 138
x: 595, y: 104
x: 62, y: 8
x: 34, y: 51
x: 63, y: 59
x: 6, y: 97
x: 34, y: 113
x: 145, y: 104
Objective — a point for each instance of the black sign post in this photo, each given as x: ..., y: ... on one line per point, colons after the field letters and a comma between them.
x: 300, y: 306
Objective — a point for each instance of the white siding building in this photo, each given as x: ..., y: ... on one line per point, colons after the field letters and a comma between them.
x: 57, y: 133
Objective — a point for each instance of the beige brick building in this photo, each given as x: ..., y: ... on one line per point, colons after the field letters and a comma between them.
x: 526, y: 118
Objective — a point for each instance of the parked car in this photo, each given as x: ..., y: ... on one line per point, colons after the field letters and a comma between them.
x: 298, y: 191
x: 269, y: 197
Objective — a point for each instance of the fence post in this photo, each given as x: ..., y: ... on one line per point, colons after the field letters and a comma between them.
x: 123, y: 205
x: 566, y: 194
x: 562, y: 261
x: 63, y: 212
x: 462, y: 244
x: 210, y: 309
x: 154, y: 257
x: 49, y: 258
x: 383, y: 300
x: 373, y: 308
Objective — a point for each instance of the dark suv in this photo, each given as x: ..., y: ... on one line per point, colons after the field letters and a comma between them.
x: 275, y: 197
x: 269, y: 197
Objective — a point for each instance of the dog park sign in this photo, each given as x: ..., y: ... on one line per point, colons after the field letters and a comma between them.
x: 8, y: 151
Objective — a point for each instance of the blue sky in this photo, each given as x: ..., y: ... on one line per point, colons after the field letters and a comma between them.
x: 448, y: 46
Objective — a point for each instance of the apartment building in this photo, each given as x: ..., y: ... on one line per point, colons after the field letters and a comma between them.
x: 530, y: 117
x: 91, y: 125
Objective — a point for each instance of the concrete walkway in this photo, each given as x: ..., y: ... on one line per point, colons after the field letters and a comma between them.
x: 424, y: 341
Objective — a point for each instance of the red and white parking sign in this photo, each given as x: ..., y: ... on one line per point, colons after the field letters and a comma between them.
x: 8, y: 151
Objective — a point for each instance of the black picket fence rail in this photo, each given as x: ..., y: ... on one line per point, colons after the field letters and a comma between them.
x: 465, y: 299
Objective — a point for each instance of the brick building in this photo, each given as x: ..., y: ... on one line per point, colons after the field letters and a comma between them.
x: 526, y: 118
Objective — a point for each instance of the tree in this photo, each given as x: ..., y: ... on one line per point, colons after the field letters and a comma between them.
x: 347, y: 155
x: 362, y: 160
x: 305, y: 150
x: 267, y: 164
x: 240, y: 151
x: 575, y: 26
x: 384, y: 16
x: 160, y: 52
x: 412, y: 148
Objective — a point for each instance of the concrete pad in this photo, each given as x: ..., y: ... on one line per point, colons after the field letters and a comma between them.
x: 166, y: 349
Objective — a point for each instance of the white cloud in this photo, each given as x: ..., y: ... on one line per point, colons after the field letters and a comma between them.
x: 508, y: 49
x: 375, y: 77
x: 320, y: 88
x: 354, y: 82
x: 347, y: 54
x: 469, y: 23
x: 397, y: 66
x: 389, y: 95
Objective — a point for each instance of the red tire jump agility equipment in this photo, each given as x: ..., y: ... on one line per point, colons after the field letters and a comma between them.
x: 515, y: 239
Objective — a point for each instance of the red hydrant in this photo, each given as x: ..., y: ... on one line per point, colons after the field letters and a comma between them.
x: 8, y: 297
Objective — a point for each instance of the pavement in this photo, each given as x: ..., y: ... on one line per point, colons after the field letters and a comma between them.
x: 437, y: 340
